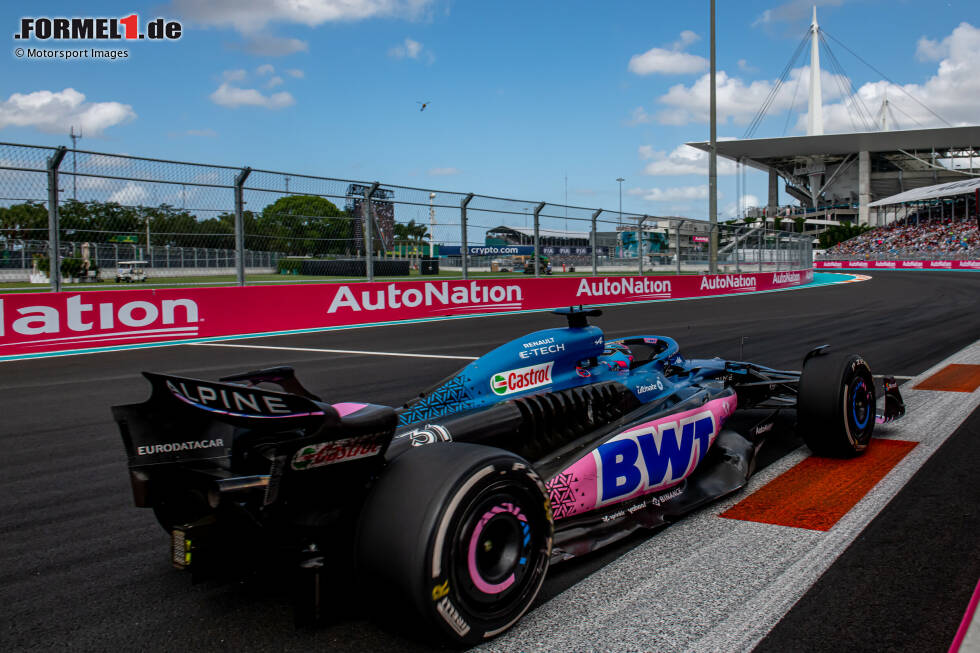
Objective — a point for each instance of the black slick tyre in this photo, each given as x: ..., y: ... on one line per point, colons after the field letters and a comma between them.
x: 460, y: 535
x: 836, y: 405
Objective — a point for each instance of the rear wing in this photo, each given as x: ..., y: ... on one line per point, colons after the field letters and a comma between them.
x: 189, y: 420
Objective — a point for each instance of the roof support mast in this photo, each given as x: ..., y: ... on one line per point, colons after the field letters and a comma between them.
x: 814, y: 118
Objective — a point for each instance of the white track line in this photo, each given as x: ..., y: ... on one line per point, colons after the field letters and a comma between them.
x: 335, y: 351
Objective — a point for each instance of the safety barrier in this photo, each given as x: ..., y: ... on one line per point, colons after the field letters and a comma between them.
x: 38, y: 324
x: 897, y: 265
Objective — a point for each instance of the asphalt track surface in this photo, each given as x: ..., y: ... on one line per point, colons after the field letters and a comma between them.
x: 81, y: 568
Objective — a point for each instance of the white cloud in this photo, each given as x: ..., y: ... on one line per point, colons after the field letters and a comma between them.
x: 744, y: 66
x: 200, y: 133
x: 274, y: 81
x: 764, y: 18
x: 265, y: 69
x: 639, y: 117
x: 951, y: 92
x: 444, y: 172
x: 295, y: 72
x: 234, y: 75
x: 250, y: 16
x: 686, y: 38
x: 684, y: 160
x: 748, y: 201
x: 267, y: 45
x: 929, y: 50
x: 409, y: 49
x: 233, y: 97
x: 54, y: 112
x: 130, y: 194
x: 669, y: 61
x: 738, y: 101
x: 678, y: 193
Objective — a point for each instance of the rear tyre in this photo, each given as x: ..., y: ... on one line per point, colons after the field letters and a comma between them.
x: 836, y: 405
x: 461, y: 535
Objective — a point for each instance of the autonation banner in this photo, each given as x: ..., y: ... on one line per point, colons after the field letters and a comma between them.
x: 897, y: 265
x: 45, y: 323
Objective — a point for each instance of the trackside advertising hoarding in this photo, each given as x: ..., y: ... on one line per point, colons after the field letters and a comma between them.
x: 39, y: 323
x: 897, y: 265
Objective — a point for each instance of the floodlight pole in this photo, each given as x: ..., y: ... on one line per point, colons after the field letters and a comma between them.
x: 713, y: 161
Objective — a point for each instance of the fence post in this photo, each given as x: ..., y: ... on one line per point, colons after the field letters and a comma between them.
x: 595, y: 216
x: 368, y: 231
x: 762, y: 239
x: 679, y: 225
x: 639, y: 240
x: 778, y: 260
x: 54, y: 246
x: 738, y: 266
x: 240, y: 225
x: 537, y: 239
x: 464, y: 243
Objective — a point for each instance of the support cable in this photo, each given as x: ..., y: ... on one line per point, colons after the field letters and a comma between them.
x: 774, y: 91
x: 887, y: 79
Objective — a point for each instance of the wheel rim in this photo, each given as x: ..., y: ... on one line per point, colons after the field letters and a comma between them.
x: 860, y: 405
x: 497, y: 553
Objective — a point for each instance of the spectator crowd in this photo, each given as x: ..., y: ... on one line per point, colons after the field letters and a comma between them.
x: 909, y: 238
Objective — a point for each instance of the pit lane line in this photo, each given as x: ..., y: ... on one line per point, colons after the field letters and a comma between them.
x: 335, y: 351
x: 713, y: 584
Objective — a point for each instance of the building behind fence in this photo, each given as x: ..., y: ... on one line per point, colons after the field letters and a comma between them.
x: 190, y: 220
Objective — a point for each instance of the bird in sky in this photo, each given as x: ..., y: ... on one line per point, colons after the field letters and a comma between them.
x: 422, y: 105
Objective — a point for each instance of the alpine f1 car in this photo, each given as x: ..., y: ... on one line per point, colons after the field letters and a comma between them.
x: 455, y: 504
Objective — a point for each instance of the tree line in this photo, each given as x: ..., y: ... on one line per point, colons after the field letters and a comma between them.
x: 296, y: 225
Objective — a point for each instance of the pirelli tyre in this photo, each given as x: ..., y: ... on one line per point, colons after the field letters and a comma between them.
x: 836, y: 404
x: 460, y: 534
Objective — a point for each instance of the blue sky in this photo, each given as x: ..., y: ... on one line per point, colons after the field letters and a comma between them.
x: 522, y: 93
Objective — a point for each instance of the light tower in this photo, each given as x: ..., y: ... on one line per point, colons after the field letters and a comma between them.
x: 814, y: 118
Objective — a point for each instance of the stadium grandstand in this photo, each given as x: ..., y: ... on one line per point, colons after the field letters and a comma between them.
x: 918, y: 236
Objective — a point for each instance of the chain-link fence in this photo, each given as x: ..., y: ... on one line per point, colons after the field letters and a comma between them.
x: 109, y: 217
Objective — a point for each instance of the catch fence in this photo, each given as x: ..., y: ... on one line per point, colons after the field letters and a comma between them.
x: 84, y: 213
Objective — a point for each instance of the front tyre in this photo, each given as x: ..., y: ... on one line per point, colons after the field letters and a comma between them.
x: 836, y: 405
x: 462, y: 534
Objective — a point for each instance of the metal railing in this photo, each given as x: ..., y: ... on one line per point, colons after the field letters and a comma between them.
x: 239, y: 225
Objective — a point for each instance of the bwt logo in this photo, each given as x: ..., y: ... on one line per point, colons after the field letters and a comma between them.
x: 649, y: 460
x: 96, y: 29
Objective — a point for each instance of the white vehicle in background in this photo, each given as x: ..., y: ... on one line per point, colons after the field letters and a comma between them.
x: 130, y: 271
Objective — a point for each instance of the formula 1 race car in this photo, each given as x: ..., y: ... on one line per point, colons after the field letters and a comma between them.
x: 455, y: 504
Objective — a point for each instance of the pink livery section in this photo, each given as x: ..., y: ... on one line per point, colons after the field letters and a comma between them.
x: 649, y: 457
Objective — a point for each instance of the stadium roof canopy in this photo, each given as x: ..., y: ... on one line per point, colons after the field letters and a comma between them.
x: 853, y: 170
x: 932, y: 192
x: 763, y: 152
